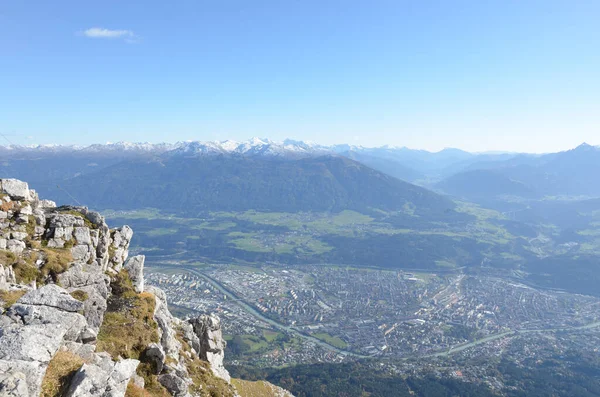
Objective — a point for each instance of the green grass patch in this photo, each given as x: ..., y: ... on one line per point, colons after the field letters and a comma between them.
x: 249, y: 244
x: 332, y: 340
x: 280, y: 244
x: 254, y: 343
x: 160, y: 231
x: 144, y: 213
x: 477, y: 211
x: 128, y: 326
x: 270, y: 336
x: 445, y: 264
x: 218, y: 226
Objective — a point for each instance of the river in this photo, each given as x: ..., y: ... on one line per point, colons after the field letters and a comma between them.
x: 454, y: 349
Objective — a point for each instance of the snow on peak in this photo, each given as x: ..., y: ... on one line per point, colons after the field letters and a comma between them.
x: 251, y: 147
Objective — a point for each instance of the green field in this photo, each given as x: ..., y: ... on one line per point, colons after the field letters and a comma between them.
x: 398, y: 239
x: 332, y: 340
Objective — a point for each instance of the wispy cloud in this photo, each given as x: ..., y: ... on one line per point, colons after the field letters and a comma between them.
x: 102, y: 33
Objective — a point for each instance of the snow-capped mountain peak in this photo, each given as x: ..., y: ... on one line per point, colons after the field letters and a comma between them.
x: 252, y: 147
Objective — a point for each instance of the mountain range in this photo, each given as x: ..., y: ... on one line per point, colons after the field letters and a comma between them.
x: 401, y: 162
x: 572, y: 173
x: 544, y: 204
x: 486, y: 178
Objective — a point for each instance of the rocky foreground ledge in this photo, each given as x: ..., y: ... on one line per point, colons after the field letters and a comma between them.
x: 77, y: 320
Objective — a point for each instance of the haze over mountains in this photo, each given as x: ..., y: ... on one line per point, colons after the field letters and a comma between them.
x: 474, y: 176
x: 461, y: 218
x: 190, y: 178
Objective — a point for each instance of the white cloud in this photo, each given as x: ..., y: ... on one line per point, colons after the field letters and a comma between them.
x: 101, y: 33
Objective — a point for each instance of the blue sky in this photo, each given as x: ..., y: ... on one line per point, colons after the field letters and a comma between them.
x: 478, y: 75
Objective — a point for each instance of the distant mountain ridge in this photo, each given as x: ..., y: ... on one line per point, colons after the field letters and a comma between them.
x: 237, y: 183
x: 569, y: 173
x: 253, y: 146
x: 400, y: 162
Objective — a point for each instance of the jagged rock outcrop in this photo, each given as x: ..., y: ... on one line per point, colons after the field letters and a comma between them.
x: 7, y: 276
x: 135, y: 267
x: 66, y: 281
x: 95, y: 284
x: 32, y: 331
x: 210, y: 343
x: 166, y: 324
x: 156, y: 356
x: 15, y: 189
x: 119, y: 244
x: 67, y: 250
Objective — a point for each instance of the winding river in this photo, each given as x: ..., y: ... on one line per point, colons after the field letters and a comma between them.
x: 454, y: 349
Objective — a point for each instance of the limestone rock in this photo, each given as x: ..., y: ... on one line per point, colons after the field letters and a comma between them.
x: 47, y: 320
x: 83, y: 275
x: 53, y: 296
x: 69, y: 324
x: 88, y: 336
x: 37, y: 343
x: 211, y: 343
x: 7, y: 276
x: 102, y: 252
x: 106, y: 379
x: 18, y: 235
x: 135, y: 267
x: 13, y: 385
x: 46, y: 204
x: 30, y: 335
x: 95, y: 218
x: 91, y: 280
x: 26, y: 210
x: 156, y: 355
x: 176, y: 385
x: 15, y: 246
x: 12, y: 373
x: 15, y: 188
x: 121, y: 238
x: 86, y: 352
x: 165, y: 321
x: 81, y: 253
x: 82, y: 235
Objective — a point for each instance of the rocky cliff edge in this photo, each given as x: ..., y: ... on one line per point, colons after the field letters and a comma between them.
x: 76, y: 318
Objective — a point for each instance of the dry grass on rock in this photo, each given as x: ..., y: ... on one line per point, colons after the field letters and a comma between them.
x: 60, y: 371
x: 128, y: 326
x: 10, y: 297
x: 136, y: 391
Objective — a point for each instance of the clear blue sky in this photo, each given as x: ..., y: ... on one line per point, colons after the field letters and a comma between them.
x: 480, y: 75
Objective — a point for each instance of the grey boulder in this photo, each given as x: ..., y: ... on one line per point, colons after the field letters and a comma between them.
x: 135, y: 267
x: 15, y: 189
x: 52, y: 295
x: 106, y: 379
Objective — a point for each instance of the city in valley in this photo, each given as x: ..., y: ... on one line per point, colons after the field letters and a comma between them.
x: 281, y: 315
